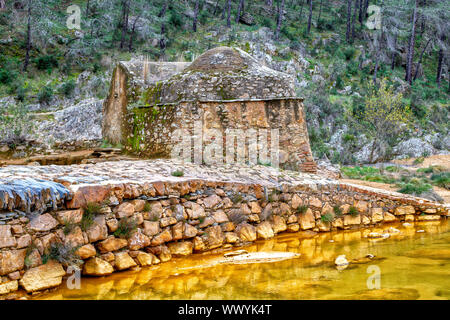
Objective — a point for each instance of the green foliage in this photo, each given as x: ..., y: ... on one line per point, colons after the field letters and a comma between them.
x: 90, y: 211
x: 327, y: 217
x: 353, y: 211
x: 337, y: 211
x: 126, y: 227
x: 47, y: 62
x: 28, y: 252
x: 45, y: 94
x: 14, y: 123
x: 418, y: 160
x: 441, y: 179
x: 68, y: 226
x: 302, y: 209
x: 67, y: 87
x: 178, y: 173
x: 147, y: 207
x: 415, y: 187
x: 64, y: 254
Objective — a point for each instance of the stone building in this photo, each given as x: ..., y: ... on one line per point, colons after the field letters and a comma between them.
x: 225, y: 101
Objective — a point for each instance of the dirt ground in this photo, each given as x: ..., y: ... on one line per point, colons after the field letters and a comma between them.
x: 435, y: 160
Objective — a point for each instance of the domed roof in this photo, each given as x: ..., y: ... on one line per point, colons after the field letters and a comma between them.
x: 222, y: 59
x: 223, y: 73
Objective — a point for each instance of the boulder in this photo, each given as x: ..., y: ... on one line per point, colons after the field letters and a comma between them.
x: 246, y: 232
x: 45, y: 276
x: 123, y: 261
x: 307, y: 220
x: 44, y: 222
x: 11, y: 261
x: 86, y: 251
x: 9, y: 286
x: 278, y: 224
x: 264, y: 230
x: 162, y: 237
x: 182, y: 248
x: 97, y: 267
x: 214, y: 237
x: 151, y: 228
x: 138, y: 240
x: 111, y: 244
x: 6, y: 237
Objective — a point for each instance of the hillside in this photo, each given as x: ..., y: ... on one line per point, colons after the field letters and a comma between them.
x: 55, y: 101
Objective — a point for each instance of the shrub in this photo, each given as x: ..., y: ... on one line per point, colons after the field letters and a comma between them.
x: 353, y: 211
x: 337, y: 211
x: 441, y: 179
x: 64, y: 254
x: 236, y: 198
x: 178, y: 173
x: 175, y: 19
x: 46, y: 62
x: 90, y: 211
x: 327, y: 217
x: 126, y: 227
x: 418, y: 160
x: 67, y: 87
x: 415, y: 188
x: 69, y: 225
x: 147, y: 207
x: 7, y: 76
x: 302, y: 209
x: 45, y: 94
x: 28, y: 252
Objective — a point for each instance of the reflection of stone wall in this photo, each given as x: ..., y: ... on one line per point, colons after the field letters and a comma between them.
x: 179, y: 218
x: 151, y: 131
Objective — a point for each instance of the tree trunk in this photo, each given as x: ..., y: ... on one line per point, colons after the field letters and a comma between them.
x: 224, y: 9
x: 439, y: 68
x: 27, y: 54
x: 229, y: 14
x: 280, y: 20
x: 194, y: 25
x: 376, y: 69
x: 320, y: 12
x: 215, y: 8
x: 412, y: 38
x: 420, y: 60
x: 133, y: 32
x: 124, y: 23
x: 301, y: 8
x: 87, y: 8
x: 349, y: 18
x: 162, y: 13
x: 394, y: 54
x: 240, y: 9
x: 354, y: 20
x: 269, y: 3
x: 310, y: 15
x: 360, y: 17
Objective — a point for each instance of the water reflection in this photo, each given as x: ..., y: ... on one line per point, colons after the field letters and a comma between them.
x: 413, y: 266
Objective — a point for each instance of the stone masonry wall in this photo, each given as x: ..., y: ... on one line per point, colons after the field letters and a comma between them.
x: 173, y: 218
x: 151, y: 131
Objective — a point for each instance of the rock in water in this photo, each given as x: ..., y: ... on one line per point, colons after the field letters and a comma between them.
x: 341, y: 261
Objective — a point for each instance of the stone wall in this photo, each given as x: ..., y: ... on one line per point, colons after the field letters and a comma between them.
x: 129, y: 79
x: 169, y: 218
x: 151, y: 131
